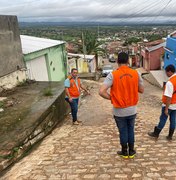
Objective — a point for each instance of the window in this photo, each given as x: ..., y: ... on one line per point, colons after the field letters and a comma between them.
x: 167, y: 56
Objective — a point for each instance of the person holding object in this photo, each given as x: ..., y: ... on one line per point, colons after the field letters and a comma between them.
x: 168, y: 106
x: 73, y: 88
x: 124, y: 84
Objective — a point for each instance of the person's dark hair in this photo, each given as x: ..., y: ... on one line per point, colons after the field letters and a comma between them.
x: 170, y: 68
x: 73, y: 69
x: 122, y: 58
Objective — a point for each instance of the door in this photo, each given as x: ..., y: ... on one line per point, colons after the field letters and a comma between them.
x: 37, y: 69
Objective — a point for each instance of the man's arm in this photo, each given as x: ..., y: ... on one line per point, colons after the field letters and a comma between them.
x: 168, y: 101
x: 141, y: 85
x: 67, y: 85
x: 103, y: 92
x: 141, y: 88
x: 68, y: 94
x: 83, y: 88
x: 168, y: 93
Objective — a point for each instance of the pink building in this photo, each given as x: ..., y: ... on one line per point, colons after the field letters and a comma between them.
x: 135, y: 56
x: 151, y: 55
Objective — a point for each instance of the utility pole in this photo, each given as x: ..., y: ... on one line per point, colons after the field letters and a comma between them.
x: 98, y: 31
x: 84, y: 48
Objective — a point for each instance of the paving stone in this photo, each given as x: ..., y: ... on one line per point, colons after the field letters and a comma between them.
x: 89, y: 176
x: 170, y: 174
x: 121, y: 176
x: 153, y: 175
x: 104, y: 176
x: 136, y: 175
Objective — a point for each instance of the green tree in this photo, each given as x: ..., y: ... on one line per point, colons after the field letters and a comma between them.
x: 89, y: 44
x: 131, y: 40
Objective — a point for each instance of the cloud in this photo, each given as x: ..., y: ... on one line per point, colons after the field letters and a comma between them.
x: 86, y: 10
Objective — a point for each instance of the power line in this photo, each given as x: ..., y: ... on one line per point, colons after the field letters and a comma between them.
x: 162, y: 10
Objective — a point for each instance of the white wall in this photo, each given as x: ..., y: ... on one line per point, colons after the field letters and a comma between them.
x: 11, y: 80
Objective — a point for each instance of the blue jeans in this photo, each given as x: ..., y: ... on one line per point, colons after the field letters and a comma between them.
x: 126, y: 128
x: 163, y: 118
x: 74, y: 108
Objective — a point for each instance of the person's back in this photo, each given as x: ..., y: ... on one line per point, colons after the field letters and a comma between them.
x: 125, y: 83
x: 124, y: 90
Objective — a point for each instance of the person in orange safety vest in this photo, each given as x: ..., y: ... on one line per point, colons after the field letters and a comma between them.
x: 168, y: 106
x: 73, y: 88
x: 124, y: 84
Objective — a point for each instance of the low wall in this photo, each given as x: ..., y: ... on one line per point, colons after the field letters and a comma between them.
x: 43, y: 114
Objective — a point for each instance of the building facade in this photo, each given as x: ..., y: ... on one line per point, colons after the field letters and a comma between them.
x: 45, y: 59
x: 170, y: 51
x: 151, y: 56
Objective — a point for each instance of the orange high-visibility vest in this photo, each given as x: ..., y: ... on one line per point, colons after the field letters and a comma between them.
x: 173, y: 99
x: 74, y: 90
x: 124, y: 91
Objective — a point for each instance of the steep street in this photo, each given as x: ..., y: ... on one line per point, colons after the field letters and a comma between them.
x: 89, y: 151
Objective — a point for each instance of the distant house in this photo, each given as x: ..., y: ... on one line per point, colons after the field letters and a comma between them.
x: 45, y: 59
x: 84, y: 64
x: 151, y: 55
x: 12, y: 71
x: 170, y: 51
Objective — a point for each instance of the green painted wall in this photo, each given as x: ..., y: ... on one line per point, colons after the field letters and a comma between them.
x: 56, y: 61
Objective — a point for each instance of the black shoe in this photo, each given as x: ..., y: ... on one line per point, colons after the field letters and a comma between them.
x: 123, y: 153
x: 169, y: 138
x: 132, y: 152
x: 155, y: 133
x: 171, y: 132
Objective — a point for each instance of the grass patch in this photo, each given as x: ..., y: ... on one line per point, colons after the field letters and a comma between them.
x: 47, y: 92
x: 1, y: 104
x: 21, y: 83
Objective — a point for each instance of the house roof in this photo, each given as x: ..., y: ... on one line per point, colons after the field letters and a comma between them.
x: 81, y: 55
x: 32, y: 44
x: 172, y: 34
x: 153, y: 48
x: 154, y: 43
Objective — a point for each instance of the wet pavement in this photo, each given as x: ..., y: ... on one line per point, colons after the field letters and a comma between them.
x: 88, y: 151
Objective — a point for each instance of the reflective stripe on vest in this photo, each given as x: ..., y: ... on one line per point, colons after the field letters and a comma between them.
x: 124, y: 91
x: 74, y: 89
x: 173, y: 99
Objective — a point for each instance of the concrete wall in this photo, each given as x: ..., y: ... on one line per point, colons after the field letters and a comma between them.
x: 11, y: 80
x: 10, y: 45
x: 37, y: 120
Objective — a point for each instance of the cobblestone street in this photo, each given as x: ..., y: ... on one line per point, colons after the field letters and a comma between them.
x: 89, y: 151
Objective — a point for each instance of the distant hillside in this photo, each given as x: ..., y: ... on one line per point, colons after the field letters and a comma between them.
x: 35, y: 24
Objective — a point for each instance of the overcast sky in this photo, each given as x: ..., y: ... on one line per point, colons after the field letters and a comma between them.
x: 91, y: 10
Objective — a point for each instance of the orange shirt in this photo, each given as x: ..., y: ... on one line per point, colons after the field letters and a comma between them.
x: 173, y: 98
x: 74, y: 89
x: 124, y: 90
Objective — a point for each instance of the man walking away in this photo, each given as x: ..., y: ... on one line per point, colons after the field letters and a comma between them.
x: 168, y: 106
x: 124, y: 84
